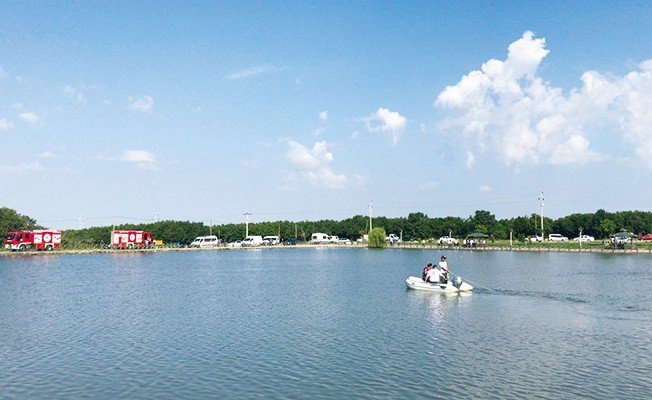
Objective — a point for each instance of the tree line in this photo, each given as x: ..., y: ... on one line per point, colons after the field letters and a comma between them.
x: 416, y: 226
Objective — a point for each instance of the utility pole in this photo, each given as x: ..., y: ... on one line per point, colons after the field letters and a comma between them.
x: 541, y: 204
x: 371, y: 206
x: 247, y: 215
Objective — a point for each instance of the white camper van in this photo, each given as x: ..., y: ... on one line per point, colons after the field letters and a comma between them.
x: 205, y: 241
x: 251, y: 241
x: 319, y: 238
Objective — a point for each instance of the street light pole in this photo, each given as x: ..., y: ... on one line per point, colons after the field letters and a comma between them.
x: 371, y: 206
x: 541, y: 202
x: 247, y: 214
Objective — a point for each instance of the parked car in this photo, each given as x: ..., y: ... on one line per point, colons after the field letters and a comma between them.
x: 292, y: 241
x: 392, y: 238
x: 556, y: 237
x: 448, y: 240
x: 647, y: 237
x: 237, y: 243
x: 584, y: 238
x: 534, y: 238
x: 271, y: 240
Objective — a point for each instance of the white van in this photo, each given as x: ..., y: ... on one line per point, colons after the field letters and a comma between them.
x: 271, y: 240
x: 319, y: 238
x: 252, y: 241
x: 205, y: 241
x: 333, y: 239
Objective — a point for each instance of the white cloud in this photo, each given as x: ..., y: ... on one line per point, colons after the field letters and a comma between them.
x: 47, y: 154
x: 253, y: 71
x: 430, y: 185
x: 73, y: 93
x: 5, y: 125
x: 314, y: 165
x: 21, y: 169
x: 142, y: 158
x: 507, y: 108
x: 387, y: 121
x: 29, y: 117
x: 323, y: 116
x: 143, y: 104
x: 485, y: 189
x: 470, y: 160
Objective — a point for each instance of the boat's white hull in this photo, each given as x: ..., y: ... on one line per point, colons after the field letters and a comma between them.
x: 416, y: 283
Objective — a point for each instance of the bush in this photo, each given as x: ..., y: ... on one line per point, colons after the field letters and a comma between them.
x: 377, y: 238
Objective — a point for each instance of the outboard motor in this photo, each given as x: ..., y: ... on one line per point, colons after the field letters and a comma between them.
x: 457, y: 282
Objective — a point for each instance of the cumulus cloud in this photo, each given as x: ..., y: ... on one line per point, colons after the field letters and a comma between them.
x: 143, y: 104
x: 29, y: 117
x: 5, y: 125
x: 388, y: 121
x: 141, y: 158
x: 506, y: 107
x: 323, y: 116
x: 253, y: 71
x: 485, y: 189
x: 314, y: 165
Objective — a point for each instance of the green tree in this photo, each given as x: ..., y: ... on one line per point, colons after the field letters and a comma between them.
x: 377, y: 238
x: 10, y: 220
x: 607, y: 227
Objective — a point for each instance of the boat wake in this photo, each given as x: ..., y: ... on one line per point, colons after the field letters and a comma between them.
x: 565, y: 297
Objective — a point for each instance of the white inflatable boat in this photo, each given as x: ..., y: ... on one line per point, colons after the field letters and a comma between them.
x: 456, y: 285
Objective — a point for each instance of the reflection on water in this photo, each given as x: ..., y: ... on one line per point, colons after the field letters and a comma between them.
x: 324, y: 323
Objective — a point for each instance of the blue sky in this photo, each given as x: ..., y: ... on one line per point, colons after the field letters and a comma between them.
x: 121, y: 112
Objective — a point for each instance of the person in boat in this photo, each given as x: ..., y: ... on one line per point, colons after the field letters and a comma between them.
x: 443, y: 269
x: 434, y: 275
x: 425, y: 271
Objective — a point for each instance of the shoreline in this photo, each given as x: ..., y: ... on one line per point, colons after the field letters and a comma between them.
x: 521, y: 249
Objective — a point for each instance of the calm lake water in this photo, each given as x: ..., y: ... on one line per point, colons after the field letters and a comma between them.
x: 324, y: 323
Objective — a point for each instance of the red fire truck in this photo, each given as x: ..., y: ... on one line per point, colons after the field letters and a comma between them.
x: 132, y: 240
x: 38, y: 240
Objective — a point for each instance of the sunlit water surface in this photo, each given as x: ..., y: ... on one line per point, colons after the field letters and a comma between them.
x: 324, y: 323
